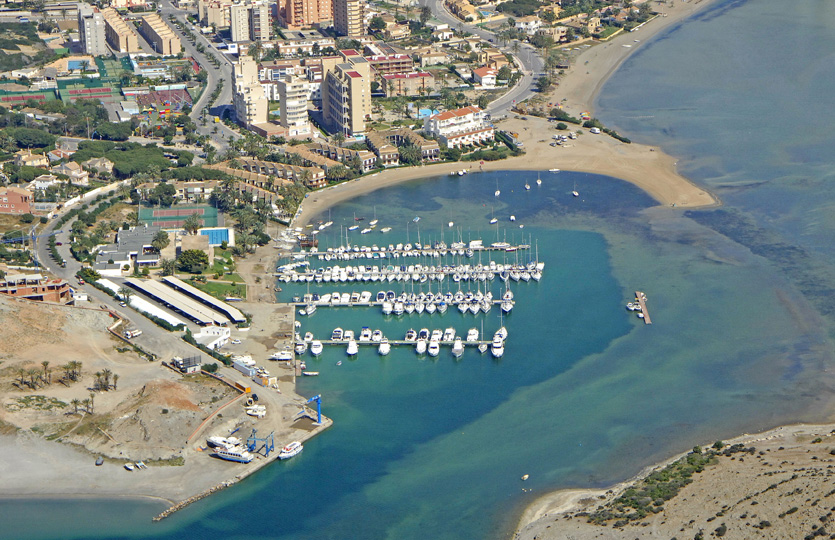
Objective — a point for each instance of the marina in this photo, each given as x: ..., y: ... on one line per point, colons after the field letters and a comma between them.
x: 641, y: 298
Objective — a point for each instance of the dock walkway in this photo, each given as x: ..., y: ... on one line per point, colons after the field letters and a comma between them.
x: 642, y: 300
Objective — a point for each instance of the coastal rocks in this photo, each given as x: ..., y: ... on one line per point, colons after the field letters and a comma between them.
x: 194, y: 498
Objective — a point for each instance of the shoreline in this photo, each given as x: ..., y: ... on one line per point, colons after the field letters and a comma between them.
x: 557, y: 505
x: 647, y: 167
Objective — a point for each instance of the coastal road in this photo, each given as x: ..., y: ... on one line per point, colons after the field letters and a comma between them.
x: 532, y: 63
x: 214, y: 74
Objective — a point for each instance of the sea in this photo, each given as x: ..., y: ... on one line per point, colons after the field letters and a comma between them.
x: 741, y: 299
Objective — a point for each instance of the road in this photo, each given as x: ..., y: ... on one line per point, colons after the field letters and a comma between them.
x: 214, y: 74
x: 532, y: 62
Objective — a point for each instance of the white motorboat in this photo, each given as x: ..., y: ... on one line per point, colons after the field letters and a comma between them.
x: 512, y: 218
x: 385, y: 229
x: 373, y: 223
x: 300, y: 348
x: 430, y: 308
x: 497, y: 347
x: 507, y: 305
x: 352, y: 348
x: 449, y: 334
x: 281, y: 356
x: 497, y: 193
x: 494, y: 220
x: 365, y: 231
x: 316, y: 347
x: 482, y: 348
x: 292, y: 449
x: 348, y: 335
x: 310, y: 373
x: 437, y: 334
x: 472, y: 334
x: 501, y: 333
x: 377, y: 336
x: 365, y: 335
x: 575, y: 190
x: 420, y: 346
x: 387, y: 307
x: 434, y: 348
x: 527, y: 186
x: 337, y: 334
x: 551, y: 170
x: 457, y: 348
x: 384, y: 348
x: 237, y: 454
x: 442, y: 307
x: 353, y: 227
x: 223, y: 442
x: 411, y: 335
x: 308, y: 337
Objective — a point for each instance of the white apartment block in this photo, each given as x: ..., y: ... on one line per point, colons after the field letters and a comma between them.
x: 251, y: 104
x: 461, y: 127
x: 292, y: 94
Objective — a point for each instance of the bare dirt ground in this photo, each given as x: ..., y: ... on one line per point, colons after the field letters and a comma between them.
x: 785, y: 489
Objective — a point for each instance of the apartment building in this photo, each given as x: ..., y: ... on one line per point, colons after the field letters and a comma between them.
x: 349, y: 17
x: 14, y: 200
x: 160, y: 35
x: 251, y: 105
x: 461, y: 127
x: 297, y: 14
x: 292, y: 95
x: 239, y: 22
x: 259, y: 21
x: 120, y: 36
x: 91, y: 31
x: 345, y: 155
x: 407, y: 84
x: 390, y: 63
x: 346, y: 94
x: 214, y: 12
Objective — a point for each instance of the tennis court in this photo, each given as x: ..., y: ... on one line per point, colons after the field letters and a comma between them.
x: 174, y: 217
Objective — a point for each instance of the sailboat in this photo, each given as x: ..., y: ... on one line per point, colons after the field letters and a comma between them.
x: 373, y: 222
x: 493, y: 219
x: 575, y: 190
x: 538, y: 181
x: 497, y: 188
x: 527, y: 185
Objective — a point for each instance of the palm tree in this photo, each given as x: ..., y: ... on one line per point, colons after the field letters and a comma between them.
x: 32, y: 372
x: 86, y: 404
x: 115, y: 380
x: 106, y: 374
x: 92, y: 396
x: 45, y: 365
x: 75, y: 403
x: 168, y: 266
x: 125, y: 294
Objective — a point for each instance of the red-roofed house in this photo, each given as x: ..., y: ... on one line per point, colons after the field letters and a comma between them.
x: 461, y: 127
x: 485, y: 76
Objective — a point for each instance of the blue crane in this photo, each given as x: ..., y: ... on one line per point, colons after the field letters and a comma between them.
x: 318, y: 399
x: 253, y: 440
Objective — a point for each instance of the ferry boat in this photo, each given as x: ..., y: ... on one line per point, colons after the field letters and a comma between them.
x: 238, y: 454
x: 292, y: 449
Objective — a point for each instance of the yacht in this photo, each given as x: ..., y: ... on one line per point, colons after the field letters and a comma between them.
x: 431, y: 308
x: 377, y: 336
x: 501, y: 333
x: 223, y: 442
x: 292, y: 449
x: 575, y: 190
x: 449, y: 334
x: 238, y: 454
x: 373, y: 222
x: 497, y: 348
x: 420, y: 346
x: 365, y: 231
x: 316, y: 347
x: 385, y: 229
x: 281, y: 356
x: 411, y: 335
x: 457, y: 348
x: 387, y: 308
x: 365, y: 335
x: 472, y: 334
x: 527, y: 186
x: 352, y: 349
x: 308, y: 337
x: 442, y: 307
x: 353, y: 227
x: 434, y: 348
x: 300, y: 348
x: 423, y: 334
x: 348, y: 335
x: 337, y: 334
x: 384, y: 348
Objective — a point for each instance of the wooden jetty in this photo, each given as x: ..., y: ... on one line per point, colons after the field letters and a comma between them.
x: 641, y: 298
x: 397, y: 342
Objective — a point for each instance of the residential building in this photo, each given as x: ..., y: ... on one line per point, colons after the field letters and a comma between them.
x: 398, y: 31
x: 239, y: 22
x: 493, y: 57
x: 251, y: 105
x: 557, y: 33
x: 429, y: 150
x: 120, y: 36
x: 391, y: 63
x: 214, y: 13
x: 346, y: 94
x: 74, y: 171
x: 366, y: 159
x: 36, y: 287
x: 133, y: 247
x: 387, y: 154
x: 91, y: 31
x: 408, y: 84
x: 463, y: 10
x: 529, y: 24
x: 28, y: 159
x: 461, y: 127
x: 313, y: 177
x: 190, y: 364
x: 298, y: 47
x: 485, y: 76
x: 160, y: 35
x: 15, y: 200
x: 43, y: 182
x: 443, y: 35
x: 306, y: 13
x: 259, y: 21
x: 433, y: 58
x: 292, y: 95
x: 102, y: 165
x: 349, y: 17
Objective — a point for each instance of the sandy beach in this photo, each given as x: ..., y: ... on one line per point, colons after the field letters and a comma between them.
x: 647, y: 167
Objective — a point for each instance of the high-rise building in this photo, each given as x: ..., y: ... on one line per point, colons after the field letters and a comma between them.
x: 305, y: 13
x: 214, y: 12
x: 349, y: 17
x: 293, y: 93
x: 91, y: 30
x: 251, y: 104
x: 346, y: 93
x: 259, y: 21
x: 160, y: 36
x: 239, y: 22
x: 120, y: 36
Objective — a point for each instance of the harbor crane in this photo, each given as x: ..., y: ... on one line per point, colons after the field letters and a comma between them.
x: 318, y: 399
x: 253, y: 440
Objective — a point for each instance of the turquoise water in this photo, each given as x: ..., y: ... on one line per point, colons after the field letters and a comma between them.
x: 586, y: 394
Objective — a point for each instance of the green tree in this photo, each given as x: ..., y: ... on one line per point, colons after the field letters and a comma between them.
x: 192, y: 223
x: 168, y: 266
x: 425, y: 14
x: 163, y: 195
x: 548, y: 16
x: 193, y: 261
x: 410, y: 154
x: 125, y: 294
x: 377, y: 24
x: 160, y: 241
x: 544, y: 83
x: 504, y: 73
x: 482, y: 101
